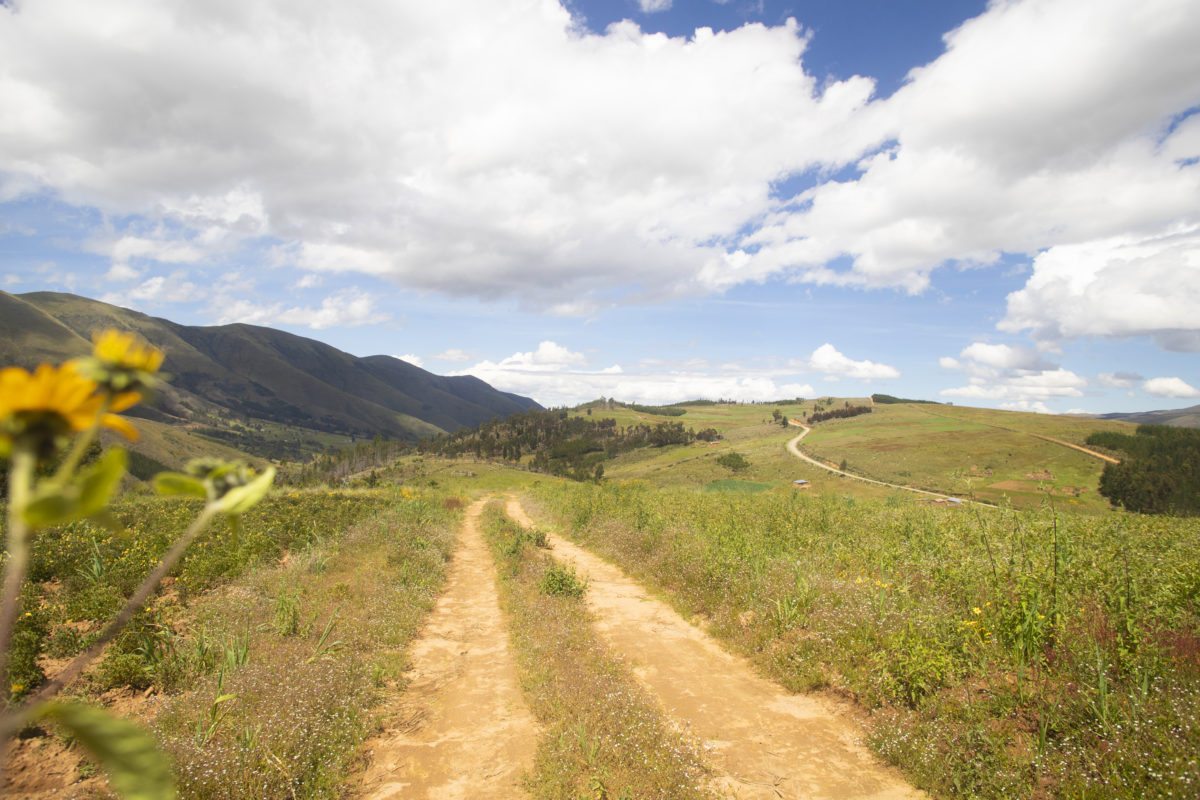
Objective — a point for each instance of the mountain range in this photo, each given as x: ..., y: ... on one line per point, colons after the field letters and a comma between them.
x: 1179, y: 417
x: 261, y: 390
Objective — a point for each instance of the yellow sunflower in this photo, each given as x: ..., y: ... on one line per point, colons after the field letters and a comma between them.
x: 122, y: 350
x: 53, y: 402
x: 121, y: 362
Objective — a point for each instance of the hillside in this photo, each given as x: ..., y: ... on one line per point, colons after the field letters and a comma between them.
x: 994, y: 456
x: 1177, y: 417
x: 262, y: 390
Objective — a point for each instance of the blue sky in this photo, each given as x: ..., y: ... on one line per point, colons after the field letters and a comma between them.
x: 993, y: 204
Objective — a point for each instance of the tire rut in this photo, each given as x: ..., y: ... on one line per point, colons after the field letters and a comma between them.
x: 461, y: 728
x: 762, y: 741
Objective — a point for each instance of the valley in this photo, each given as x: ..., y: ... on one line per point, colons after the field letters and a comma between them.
x: 630, y: 601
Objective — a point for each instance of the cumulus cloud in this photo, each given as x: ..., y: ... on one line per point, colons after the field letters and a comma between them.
x: 1036, y: 406
x: 1169, y: 387
x: 1118, y: 380
x: 555, y: 375
x: 1005, y: 357
x: 1018, y: 377
x: 453, y: 354
x: 1120, y: 286
x: 1037, y: 129
x: 348, y: 308
x: 1038, y: 386
x: 416, y: 361
x: 826, y: 359
x: 526, y: 158
x: 654, y: 6
x: 479, y: 136
x: 155, y: 291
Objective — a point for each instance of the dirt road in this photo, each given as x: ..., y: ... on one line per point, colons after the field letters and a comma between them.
x: 461, y: 729
x: 793, y: 447
x: 762, y: 742
x: 1080, y: 448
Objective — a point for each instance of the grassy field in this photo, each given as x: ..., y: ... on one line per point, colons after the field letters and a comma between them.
x: 969, y: 454
x: 323, y: 587
x: 1002, y: 653
x: 995, y: 456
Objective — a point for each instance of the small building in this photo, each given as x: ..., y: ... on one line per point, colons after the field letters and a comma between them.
x: 800, y: 483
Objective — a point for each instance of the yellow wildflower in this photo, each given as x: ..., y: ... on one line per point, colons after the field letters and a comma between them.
x: 52, y: 403
x: 122, y: 362
x: 127, y: 351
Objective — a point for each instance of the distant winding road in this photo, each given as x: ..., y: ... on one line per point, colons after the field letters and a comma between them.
x: 793, y: 447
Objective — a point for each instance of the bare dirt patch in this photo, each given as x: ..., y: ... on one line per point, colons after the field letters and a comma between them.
x: 762, y: 741
x: 461, y: 729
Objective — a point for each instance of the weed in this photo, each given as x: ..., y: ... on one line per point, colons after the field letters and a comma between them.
x: 562, y: 581
x: 286, y: 616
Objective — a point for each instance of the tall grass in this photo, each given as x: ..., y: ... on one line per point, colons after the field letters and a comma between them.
x: 271, y: 643
x: 1002, y: 653
x: 284, y: 719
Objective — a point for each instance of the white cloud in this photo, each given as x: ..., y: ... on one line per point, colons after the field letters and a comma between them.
x: 1121, y: 286
x: 554, y: 375
x: 1036, y: 406
x: 1118, y: 380
x: 523, y: 158
x: 826, y: 359
x: 1005, y: 357
x: 120, y: 272
x: 1019, y: 378
x: 346, y: 309
x: 157, y: 290
x: 654, y: 6
x: 1039, y: 127
x: 416, y: 361
x: 1169, y: 387
x: 1032, y: 387
x: 492, y: 139
x: 453, y: 354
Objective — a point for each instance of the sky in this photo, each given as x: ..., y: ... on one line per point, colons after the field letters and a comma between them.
x: 993, y: 204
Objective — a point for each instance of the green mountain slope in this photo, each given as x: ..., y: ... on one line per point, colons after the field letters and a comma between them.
x: 245, y: 383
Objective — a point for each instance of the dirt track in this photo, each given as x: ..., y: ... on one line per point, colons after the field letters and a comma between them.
x: 793, y: 447
x: 762, y: 742
x: 461, y: 729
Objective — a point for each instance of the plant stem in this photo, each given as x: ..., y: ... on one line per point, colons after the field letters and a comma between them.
x: 19, y: 490
x: 20, y: 487
x: 132, y: 606
x: 78, y: 447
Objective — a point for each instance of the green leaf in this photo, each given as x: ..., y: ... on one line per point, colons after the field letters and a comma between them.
x: 87, y: 495
x: 136, y: 769
x: 98, y: 482
x: 178, y: 483
x: 240, y: 499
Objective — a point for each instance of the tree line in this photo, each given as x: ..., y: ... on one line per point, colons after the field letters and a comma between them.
x: 839, y: 413
x: 1160, y: 473
x: 559, y: 443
